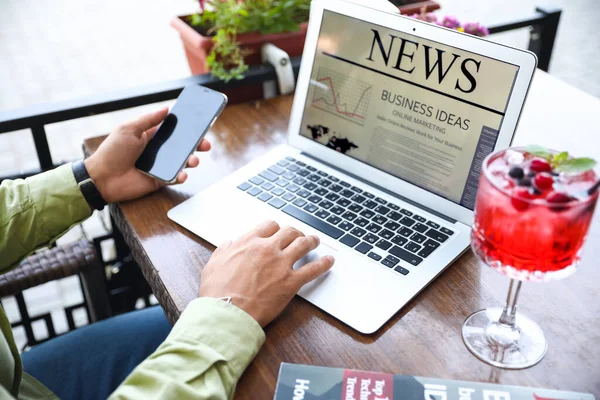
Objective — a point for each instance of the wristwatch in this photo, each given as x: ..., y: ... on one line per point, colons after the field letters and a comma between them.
x: 87, y: 186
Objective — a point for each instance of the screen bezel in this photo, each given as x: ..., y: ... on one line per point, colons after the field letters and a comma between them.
x: 525, y: 60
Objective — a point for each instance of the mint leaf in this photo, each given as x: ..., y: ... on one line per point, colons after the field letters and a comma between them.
x: 561, y: 161
x: 560, y: 158
x: 576, y: 165
x: 538, y: 151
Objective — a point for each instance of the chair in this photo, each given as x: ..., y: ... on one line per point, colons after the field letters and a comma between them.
x: 80, y: 258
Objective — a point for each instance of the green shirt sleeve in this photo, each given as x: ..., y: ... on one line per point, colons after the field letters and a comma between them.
x: 36, y: 211
x: 202, y: 358
x: 33, y: 213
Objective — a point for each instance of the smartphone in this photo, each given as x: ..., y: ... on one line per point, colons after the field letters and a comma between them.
x: 180, y: 133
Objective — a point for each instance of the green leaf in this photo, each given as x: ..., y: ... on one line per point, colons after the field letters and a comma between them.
x: 576, y: 165
x: 539, y: 151
x: 228, y: 18
x: 211, y: 58
x: 196, y: 20
x: 560, y: 157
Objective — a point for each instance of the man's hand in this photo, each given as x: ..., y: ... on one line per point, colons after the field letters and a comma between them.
x: 256, y: 270
x: 112, y: 166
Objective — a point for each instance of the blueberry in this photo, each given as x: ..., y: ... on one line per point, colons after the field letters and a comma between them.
x: 524, y: 182
x: 531, y: 174
x: 516, y: 172
x: 535, y: 191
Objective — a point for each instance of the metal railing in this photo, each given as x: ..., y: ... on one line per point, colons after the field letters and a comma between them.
x: 543, y: 27
x: 38, y: 116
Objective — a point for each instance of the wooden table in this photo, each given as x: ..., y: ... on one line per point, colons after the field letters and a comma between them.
x: 424, y: 338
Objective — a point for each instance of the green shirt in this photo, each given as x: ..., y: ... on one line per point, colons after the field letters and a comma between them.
x: 204, y: 355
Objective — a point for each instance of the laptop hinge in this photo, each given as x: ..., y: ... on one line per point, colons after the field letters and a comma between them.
x: 409, y: 201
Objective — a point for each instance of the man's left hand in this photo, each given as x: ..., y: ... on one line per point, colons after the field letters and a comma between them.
x: 112, y: 166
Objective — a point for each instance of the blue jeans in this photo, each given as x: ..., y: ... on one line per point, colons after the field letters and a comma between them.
x: 92, y: 361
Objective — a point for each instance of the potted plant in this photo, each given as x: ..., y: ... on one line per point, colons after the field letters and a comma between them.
x: 226, y: 35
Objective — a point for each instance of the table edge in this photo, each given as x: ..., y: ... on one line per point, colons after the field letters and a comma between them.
x: 143, y: 260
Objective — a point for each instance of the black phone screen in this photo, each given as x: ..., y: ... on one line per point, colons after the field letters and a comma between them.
x: 188, y: 121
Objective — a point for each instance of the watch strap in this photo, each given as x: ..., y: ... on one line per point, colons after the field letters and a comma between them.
x: 87, y: 186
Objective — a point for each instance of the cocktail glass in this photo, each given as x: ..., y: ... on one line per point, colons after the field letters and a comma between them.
x: 528, y: 234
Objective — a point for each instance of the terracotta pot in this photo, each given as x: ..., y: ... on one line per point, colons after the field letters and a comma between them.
x: 197, y: 47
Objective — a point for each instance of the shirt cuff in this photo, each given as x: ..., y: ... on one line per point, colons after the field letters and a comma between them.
x: 58, y: 200
x: 223, y: 327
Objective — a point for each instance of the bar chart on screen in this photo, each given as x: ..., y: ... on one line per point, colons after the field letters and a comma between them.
x: 341, y: 95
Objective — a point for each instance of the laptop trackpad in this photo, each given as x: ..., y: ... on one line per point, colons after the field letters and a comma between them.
x: 322, y: 250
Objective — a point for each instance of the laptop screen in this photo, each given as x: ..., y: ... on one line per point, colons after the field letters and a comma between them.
x: 425, y: 112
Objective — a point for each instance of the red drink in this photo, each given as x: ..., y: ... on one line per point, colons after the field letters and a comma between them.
x: 530, y: 224
x: 535, y: 231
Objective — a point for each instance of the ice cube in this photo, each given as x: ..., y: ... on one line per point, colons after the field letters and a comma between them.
x: 512, y: 157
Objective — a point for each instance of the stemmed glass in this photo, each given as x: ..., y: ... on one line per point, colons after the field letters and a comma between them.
x: 530, y: 225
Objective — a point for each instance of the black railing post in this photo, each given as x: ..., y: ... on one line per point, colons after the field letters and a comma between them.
x: 41, y: 147
x: 25, y: 319
x: 543, y: 35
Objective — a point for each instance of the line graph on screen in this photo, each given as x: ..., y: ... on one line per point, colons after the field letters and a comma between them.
x: 341, y: 95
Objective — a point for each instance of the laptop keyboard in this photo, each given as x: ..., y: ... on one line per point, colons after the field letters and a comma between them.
x: 356, y: 218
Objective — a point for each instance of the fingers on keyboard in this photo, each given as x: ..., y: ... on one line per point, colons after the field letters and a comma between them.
x: 385, y: 232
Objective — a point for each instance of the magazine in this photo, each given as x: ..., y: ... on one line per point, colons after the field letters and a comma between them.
x: 307, y: 382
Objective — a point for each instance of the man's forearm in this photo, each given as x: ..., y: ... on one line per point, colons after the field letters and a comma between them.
x: 36, y: 211
x: 203, y: 357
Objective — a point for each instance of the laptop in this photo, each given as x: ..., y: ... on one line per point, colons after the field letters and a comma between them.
x: 391, y: 120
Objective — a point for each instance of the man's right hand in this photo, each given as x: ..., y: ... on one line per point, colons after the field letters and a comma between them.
x: 256, y: 270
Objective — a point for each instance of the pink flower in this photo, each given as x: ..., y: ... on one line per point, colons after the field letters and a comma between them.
x: 475, y: 28
x: 450, y: 22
